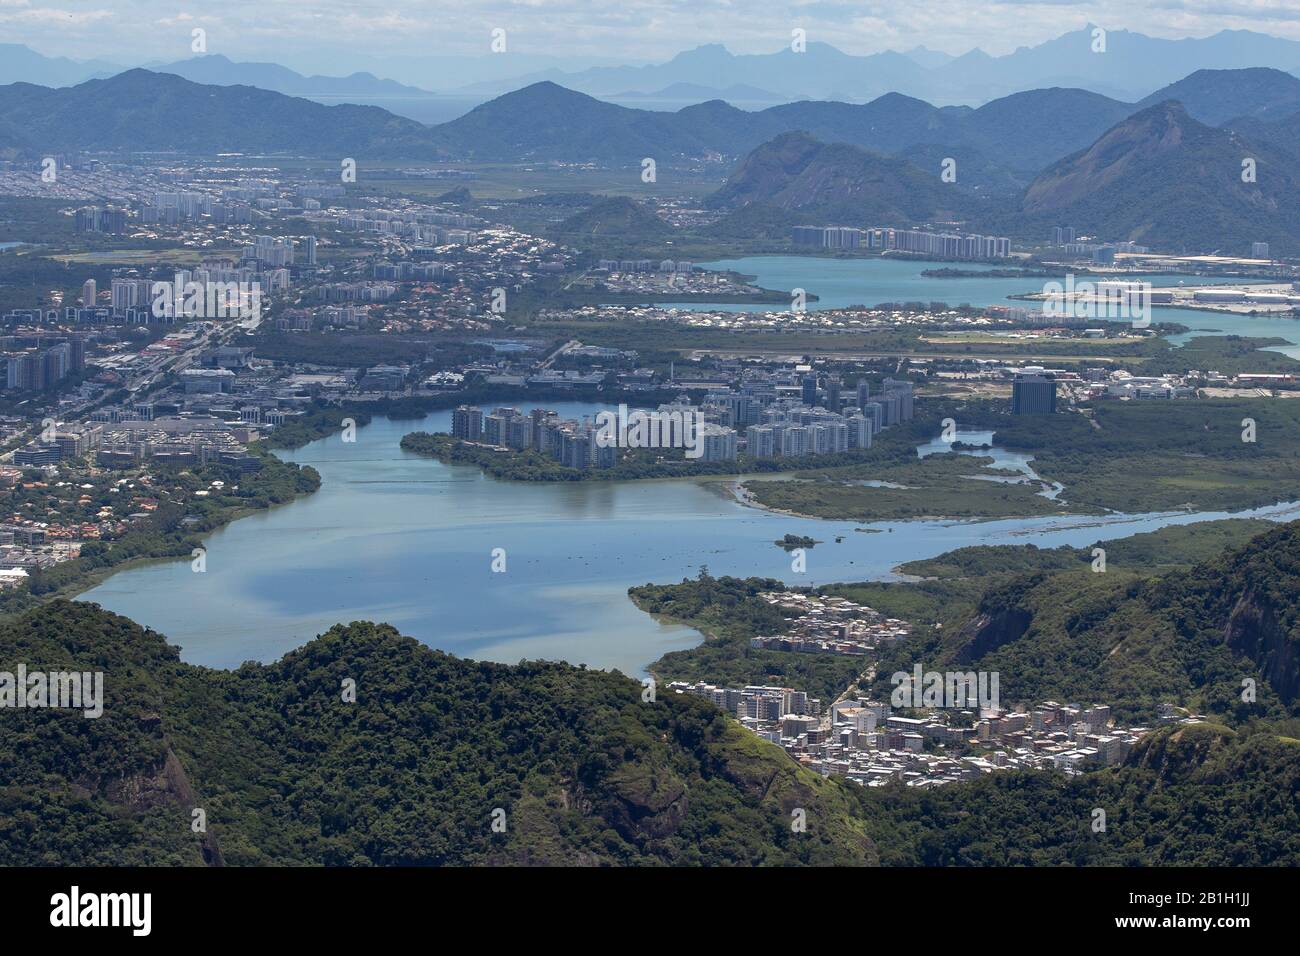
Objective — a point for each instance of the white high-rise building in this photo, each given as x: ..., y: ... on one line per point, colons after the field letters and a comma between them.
x: 719, y: 443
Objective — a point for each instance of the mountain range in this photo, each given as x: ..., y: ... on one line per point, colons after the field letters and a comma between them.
x: 1029, y: 159
x: 1217, y: 96
x: 1022, y: 132
x: 21, y: 64
x: 144, y: 111
x: 1158, y: 177
x: 217, y: 70
x: 1131, y: 65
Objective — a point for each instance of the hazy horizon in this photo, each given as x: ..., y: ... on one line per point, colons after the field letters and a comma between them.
x: 337, y: 39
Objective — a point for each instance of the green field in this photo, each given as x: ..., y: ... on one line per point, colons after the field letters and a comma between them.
x: 1139, y: 457
x: 178, y: 255
x: 940, y: 486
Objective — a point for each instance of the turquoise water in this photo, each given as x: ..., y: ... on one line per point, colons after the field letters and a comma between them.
x: 843, y: 282
x: 397, y: 538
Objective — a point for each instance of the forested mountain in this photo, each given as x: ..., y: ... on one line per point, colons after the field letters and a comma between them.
x: 366, y: 747
x: 839, y: 183
x: 614, y: 218
x: 143, y: 111
x: 1024, y: 132
x: 288, y: 772
x: 1220, y: 792
x: 1010, y: 138
x: 1216, y: 96
x: 1160, y: 177
x: 1188, y: 638
x: 1199, y: 795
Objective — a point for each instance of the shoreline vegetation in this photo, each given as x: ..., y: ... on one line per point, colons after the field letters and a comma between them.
x: 950, y: 272
x: 174, y: 532
x: 591, y: 776
x: 638, y: 464
x: 1117, y: 458
x: 951, y: 600
x: 1191, y: 459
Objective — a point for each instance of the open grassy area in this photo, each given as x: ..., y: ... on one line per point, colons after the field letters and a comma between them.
x: 1138, y: 457
x: 1018, y: 339
x: 142, y: 257
x: 1176, y: 546
x: 940, y: 486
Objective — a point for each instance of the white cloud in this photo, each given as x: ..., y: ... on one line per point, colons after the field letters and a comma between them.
x: 44, y: 15
x: 327, y: 32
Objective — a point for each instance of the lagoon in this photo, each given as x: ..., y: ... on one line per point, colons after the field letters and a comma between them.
x: 394, y: 537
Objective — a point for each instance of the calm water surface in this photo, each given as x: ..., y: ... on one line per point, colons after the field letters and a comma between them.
x: 397, y: 538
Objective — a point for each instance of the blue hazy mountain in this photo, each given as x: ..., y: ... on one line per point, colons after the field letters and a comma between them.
x: 928, y: 58
x: 1216, y: 96
x: 694, y: 93
x: 20, y: 64
x: 217, y: 70
x: 1131, y: 66
x: 796, y: 173
x: 821, y: 71
x: 545, y: 121
x: 140, y: 109
x: 999, y: 147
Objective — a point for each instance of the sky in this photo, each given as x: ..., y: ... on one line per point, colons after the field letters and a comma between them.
x: 337, y: 36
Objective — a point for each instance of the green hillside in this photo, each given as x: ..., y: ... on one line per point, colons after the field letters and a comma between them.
x: 410, y: 773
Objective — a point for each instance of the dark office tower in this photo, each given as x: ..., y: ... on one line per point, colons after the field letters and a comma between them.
x: 864, y: 392
x: 88, y: 219
x: 113, y: 221
x: 1033, y: 395
x: 58, y: 361
x: 77, y: 353
x: 810, y: 390
x: 833, y: 394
